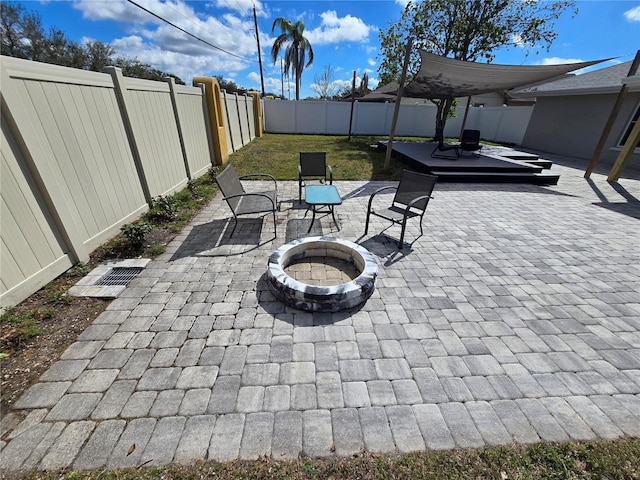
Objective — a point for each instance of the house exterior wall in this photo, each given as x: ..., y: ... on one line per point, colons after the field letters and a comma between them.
x: 572, y: 125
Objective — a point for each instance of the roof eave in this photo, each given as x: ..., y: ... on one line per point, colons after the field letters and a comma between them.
x: 567, y: 92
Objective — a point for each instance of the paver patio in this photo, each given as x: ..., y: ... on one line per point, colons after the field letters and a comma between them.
x: 515, y: 318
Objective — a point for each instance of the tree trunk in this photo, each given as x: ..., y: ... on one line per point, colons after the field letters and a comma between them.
x: 442, y: 114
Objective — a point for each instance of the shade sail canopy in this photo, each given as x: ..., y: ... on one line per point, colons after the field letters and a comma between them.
x: 443, y: 77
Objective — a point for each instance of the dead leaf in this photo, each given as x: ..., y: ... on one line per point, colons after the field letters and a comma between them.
x: 200, y: 462
x: 132, y: 449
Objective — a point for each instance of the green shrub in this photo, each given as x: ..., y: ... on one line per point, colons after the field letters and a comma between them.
x: 134, y: 233
x: 163, y: 209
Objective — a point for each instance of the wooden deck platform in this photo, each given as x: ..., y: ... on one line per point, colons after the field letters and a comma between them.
x: 495, y: 164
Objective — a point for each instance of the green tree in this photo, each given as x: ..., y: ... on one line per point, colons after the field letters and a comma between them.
x: 467, y: 30
x: 34, y: 41
x: 11, y: 29
x: 132, y: 67
x: 99, y: 55
x: 230, y: 86
x: 296, y: 50
x: 23, y: 36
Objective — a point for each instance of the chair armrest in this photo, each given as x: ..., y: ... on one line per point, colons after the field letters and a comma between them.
x: 414, y: 201
x: 330, y: 174
x: 380, y: 190
x: 270, y: 177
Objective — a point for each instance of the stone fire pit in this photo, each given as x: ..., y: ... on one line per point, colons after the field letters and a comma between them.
x: 322, y: 274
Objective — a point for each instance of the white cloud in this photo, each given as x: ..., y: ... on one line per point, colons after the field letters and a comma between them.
x: 167, y: 48
x: 518, y: 41
x: 334, y: 29
x: 243, y: 7
x: 371, y: 61
x: 115, y: 10
x: 403, y: 3
x: 559, y: 60
x: 633, y: 15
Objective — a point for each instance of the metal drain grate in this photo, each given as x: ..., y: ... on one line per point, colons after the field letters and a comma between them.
x: 119, y: 276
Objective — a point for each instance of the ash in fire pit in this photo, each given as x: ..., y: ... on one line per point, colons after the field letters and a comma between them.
x: 322, y: 274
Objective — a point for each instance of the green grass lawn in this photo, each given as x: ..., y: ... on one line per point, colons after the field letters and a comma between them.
x: 355, y: 159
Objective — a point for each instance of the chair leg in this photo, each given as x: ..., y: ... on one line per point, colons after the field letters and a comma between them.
x: 366, y: 225
x: 401, y: 242
x: 275, y: 231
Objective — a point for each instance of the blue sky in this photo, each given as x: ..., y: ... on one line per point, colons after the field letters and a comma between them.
x: 343, y: 33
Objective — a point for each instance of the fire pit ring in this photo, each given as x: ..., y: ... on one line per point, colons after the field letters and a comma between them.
x: 322, y: 298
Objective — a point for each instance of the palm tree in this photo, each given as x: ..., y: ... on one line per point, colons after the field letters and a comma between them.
x: 296, y: 50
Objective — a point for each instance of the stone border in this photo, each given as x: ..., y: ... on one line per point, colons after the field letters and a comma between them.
x: 317, y: 298
x: 86, y: 286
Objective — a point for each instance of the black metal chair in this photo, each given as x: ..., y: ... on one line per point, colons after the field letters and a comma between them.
x: 470, y: 142
x: 441, y: 148
x: 242, y: 202
x: 312, y: 169
x: 411, y: 199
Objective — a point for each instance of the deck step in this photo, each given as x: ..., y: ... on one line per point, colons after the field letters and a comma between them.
x: 540, y: 178
x: 546, y: 164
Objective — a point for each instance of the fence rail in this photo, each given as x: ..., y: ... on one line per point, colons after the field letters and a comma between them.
x: 83, y: 153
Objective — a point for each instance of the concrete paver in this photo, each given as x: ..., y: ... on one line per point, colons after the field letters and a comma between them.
x: 514, y: 322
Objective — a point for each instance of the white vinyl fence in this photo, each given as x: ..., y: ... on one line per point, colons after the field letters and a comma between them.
x: 83, y: 153
x: 499, y: 124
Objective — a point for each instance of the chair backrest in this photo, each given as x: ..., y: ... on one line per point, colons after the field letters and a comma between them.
x: 470, y: 138
x: 230, y: 185
x: 313, y: 164
x: 413, y: 185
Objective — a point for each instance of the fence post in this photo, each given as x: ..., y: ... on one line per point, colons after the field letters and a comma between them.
x: 257, y: 113
x: 237, y: 98
x: 174, y: 103
x: 207, y: 122
x: 214, y: 104
x: 121, y: 96
x: 226, y: 109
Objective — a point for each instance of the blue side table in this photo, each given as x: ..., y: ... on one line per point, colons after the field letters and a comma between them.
x: 318, y: 196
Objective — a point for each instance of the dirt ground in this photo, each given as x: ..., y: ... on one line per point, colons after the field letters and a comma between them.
x: 60, y: 319
x: 30, y: 358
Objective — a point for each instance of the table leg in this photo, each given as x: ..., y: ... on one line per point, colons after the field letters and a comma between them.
x: 313, y: 217
x: 334, y: 217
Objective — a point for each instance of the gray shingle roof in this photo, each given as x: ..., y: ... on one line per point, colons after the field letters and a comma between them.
x: 603, y: 80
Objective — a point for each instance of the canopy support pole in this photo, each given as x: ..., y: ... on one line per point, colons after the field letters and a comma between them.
x: 353, y: 100
x: 632, y: 142
x: 612, y: 118
x: 392, y: 132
